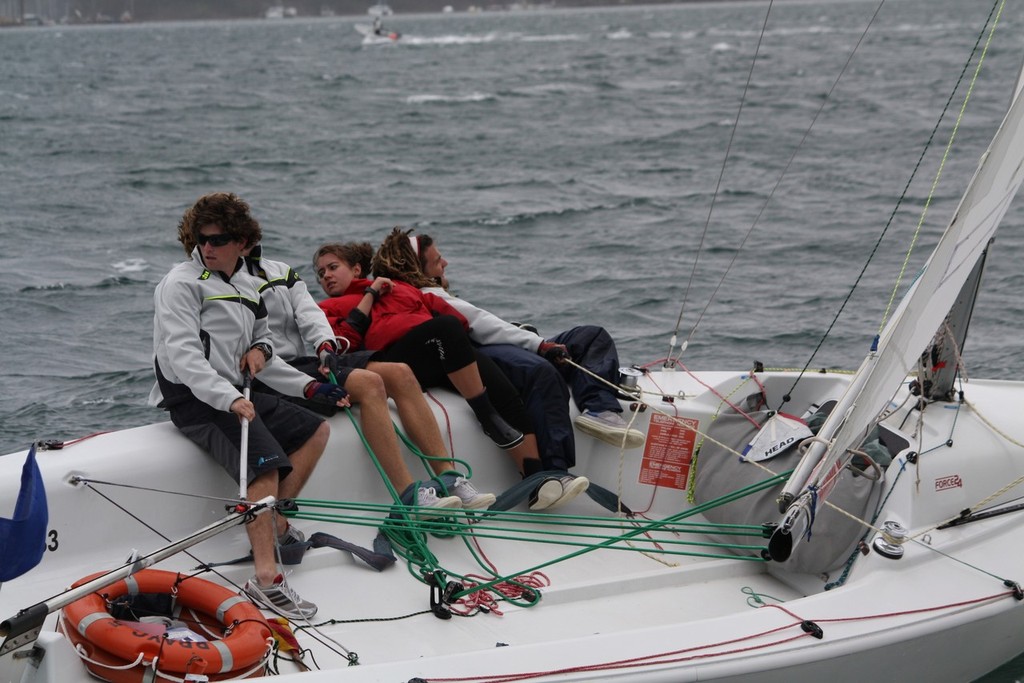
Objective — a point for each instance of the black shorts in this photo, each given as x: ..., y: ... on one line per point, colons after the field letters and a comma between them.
x: 280, y: 428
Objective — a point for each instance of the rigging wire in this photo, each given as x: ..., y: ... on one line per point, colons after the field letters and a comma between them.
x: 906, y: 188
x: 945, y: 155
x: 778, y: 182
x: 718, y: 185
x: 785, y: 169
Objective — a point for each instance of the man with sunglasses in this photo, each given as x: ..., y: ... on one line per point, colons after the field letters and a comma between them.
x: 210, y: 330
x: 296, y: 325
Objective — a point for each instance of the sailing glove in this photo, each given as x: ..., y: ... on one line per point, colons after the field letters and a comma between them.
x: 328, y: 354
x: 321, y: 392
x: 553, y: 352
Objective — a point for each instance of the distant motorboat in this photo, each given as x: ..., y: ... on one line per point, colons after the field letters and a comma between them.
x: 374, y: 34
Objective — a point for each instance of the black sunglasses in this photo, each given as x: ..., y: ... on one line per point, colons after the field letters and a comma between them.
x: 218, y: 240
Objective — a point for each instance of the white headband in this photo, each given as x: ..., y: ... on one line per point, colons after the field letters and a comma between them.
x: 415, y: 242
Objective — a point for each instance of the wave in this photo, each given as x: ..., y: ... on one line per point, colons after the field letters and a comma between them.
x: 450, y: 99
x: 461, y: 39
x: 554, y: 88
x: 554, y: 38
x: 106, y: 283
x: 537, y: 216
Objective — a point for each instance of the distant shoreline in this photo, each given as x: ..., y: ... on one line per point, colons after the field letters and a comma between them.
x: 147, y: 11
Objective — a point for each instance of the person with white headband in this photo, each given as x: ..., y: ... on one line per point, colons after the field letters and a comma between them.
x: 531, y: 362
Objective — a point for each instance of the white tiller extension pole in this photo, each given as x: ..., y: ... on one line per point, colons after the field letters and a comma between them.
x: 243, y: 448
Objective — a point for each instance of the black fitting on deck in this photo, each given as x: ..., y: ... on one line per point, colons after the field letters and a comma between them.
x: 813, y: 629
x: 441, y: 593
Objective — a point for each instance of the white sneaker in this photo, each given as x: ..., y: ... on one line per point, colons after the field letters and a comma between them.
x: 546, y: 494
x: 610, y: 427
x: 470, y: 497
x: 279, y: 597
x: 555, y: 491
x: 426, y: 497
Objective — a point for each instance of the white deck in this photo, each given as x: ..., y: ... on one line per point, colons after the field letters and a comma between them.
x: 601, y: 606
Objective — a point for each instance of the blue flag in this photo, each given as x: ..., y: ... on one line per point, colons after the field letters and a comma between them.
x: 23, y: 538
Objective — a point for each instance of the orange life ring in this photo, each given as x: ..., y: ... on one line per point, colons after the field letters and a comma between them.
x: 113, y: 645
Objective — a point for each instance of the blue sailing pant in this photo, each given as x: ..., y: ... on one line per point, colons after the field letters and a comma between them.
x: 545, y: 388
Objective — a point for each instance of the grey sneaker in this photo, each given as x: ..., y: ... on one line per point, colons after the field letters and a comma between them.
x: 470, y: 497
x: 610, y: 427
x: 291, y: 535
x: 291, y: 546
x: 555, y: 491
x: 425, y: 498
x: 279, y: 598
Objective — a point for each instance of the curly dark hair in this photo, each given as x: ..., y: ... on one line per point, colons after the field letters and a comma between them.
x: 352, y: 253
x: 396, y: 259
x: 225, y: 209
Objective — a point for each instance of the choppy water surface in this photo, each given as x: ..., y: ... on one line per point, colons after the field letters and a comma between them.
x: 571, y: 163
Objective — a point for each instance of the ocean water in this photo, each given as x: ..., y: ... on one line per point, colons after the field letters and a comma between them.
x: 631, y: 167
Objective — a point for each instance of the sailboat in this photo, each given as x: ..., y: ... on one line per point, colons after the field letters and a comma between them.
x: 776, y: 525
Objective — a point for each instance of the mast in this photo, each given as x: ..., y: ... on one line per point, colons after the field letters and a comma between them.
x: 940, y: 362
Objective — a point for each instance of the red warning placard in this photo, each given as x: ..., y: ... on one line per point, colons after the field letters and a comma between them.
x: 668, y: 452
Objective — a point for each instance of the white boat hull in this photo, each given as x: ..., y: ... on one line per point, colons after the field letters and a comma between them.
x: 608, y: 614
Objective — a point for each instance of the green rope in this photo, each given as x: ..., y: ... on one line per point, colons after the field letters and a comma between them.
x: 407, y: 533
x: 411, y: 536
x: 409, y: 541
x: 755, y: 599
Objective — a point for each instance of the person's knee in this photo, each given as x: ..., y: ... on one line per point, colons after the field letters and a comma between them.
x: 364, y: 386
x: 313, y: 448
x: 396, y: 376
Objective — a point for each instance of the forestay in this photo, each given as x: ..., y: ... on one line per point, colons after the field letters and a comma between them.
x: 912, y: 326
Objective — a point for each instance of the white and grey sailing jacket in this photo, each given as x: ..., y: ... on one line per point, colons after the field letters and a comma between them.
x: 487, y: 328
x: 203, y: 323
x: 297, y: 325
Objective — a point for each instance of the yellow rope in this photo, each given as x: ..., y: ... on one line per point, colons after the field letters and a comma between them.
x: 942, y: 164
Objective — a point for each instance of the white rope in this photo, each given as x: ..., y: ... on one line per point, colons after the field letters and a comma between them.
x: 84, y: 656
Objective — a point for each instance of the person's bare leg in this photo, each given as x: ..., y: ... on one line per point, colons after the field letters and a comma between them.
x: 261, y: 529
x: 417, y: 418
x: 303, y: 462
x: 367, y: 389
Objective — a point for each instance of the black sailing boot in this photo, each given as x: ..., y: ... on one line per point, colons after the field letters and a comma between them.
x: 500, y: 432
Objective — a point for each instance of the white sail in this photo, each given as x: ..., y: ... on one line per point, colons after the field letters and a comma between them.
x: 919, y: 315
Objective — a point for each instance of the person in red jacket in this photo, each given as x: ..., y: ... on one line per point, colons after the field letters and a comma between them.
x: 401, y: 324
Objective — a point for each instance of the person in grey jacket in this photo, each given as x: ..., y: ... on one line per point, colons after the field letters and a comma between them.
x: 210, y: 330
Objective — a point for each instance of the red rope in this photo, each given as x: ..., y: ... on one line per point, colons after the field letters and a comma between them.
x: 447, y: 423
x: 484, y: 598
x: 691, y: 654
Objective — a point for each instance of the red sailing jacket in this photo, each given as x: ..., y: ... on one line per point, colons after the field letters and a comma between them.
x: 391, y: 317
